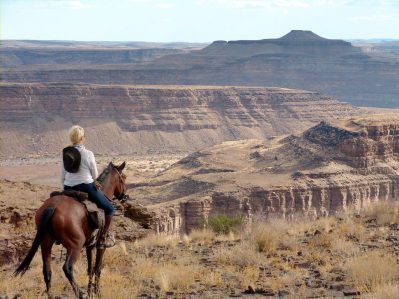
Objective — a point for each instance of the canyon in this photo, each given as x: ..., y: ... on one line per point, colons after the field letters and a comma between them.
x: 134, y: 119
x: 329, y: 168
x: 298, y: 60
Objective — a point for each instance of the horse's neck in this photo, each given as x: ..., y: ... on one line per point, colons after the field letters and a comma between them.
x: 108, y: 188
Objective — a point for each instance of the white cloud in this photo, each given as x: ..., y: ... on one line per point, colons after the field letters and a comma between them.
x: 296, y: 3
x: 270, y: 3
x: 165, y: 5
x: 65, y: 4
x: 374, y: 18
x: 155, y: 3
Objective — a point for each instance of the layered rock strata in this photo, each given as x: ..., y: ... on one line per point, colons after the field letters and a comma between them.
x: 300, y: 60
x: 129, y: 119
x: 327, y: 169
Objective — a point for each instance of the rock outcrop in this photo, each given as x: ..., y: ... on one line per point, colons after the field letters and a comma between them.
x: 128, y: 119
x: 328, y: 168
x: 299, y: 60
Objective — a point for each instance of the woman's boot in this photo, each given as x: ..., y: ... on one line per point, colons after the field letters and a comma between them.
x: 106, y: 240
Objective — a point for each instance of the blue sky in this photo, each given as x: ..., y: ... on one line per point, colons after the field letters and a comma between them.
x: 195, y: 20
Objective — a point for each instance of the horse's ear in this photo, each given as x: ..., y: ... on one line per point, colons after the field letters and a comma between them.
x: 122, y: 166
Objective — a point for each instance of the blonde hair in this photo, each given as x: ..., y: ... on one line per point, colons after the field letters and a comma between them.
x: 76, y: 134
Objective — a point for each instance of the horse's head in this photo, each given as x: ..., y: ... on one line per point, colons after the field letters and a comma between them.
x: 120, y: 186
x: 113, y: 176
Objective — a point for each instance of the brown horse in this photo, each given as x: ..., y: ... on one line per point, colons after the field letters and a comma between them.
x: 64, y: 219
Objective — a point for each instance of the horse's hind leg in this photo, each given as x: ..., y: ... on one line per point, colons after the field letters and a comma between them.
x: 46, y: 245
x: 72, y: 257
x: 90, y: 268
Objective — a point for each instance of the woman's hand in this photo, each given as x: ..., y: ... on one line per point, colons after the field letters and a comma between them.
x: 98, y: 185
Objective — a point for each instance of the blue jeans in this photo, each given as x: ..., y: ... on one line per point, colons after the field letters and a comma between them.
x: 95, y: 196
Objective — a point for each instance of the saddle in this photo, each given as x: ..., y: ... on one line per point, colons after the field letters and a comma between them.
x: 95, y: 215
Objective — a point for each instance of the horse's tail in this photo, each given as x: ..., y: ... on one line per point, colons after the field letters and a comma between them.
x: 41, y: 229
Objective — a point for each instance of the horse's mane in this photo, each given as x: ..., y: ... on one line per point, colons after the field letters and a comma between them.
x: 104, y: 173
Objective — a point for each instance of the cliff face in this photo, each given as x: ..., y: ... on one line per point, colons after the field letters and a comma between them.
x: 14, y: 57
x: 299, y: 60
x: 138, y: 119
x: 328, y: 168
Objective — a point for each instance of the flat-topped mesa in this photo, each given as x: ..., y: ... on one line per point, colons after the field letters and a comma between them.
x: 363, y: 142
x: 302, y: 35
x: 295, y: 38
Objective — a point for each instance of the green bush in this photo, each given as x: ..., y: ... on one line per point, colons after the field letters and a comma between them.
x: 224, y: 224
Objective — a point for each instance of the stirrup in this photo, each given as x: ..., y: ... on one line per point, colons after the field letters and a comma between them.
x: 108, y: 242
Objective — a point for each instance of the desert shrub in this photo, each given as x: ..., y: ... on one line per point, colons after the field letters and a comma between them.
x: 224, y: 224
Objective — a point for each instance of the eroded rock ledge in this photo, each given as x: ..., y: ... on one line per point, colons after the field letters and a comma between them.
x: 129, y: 119
x: 328, y: 168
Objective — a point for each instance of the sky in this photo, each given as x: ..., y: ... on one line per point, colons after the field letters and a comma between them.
x: 195, y: 20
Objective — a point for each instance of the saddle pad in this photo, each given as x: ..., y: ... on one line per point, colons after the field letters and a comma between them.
x: 90, y: 206
x: 78, y: 195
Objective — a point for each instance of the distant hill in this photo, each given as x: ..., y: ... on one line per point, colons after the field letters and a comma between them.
x: 300, y: 59
x: 384, y: 47
x: 17, y: 53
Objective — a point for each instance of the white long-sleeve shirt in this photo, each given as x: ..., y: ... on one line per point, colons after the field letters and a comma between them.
x: 87, y: 172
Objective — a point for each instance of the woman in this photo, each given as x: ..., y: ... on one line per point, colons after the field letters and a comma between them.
x: 79, y: 172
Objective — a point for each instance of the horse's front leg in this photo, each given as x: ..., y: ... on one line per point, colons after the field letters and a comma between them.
x: 90, y: 268
x: 97, y: 269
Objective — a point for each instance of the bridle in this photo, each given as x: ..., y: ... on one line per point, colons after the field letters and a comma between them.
x: 122, y: 196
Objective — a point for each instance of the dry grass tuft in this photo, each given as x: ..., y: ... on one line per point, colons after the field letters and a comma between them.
x: 372, y: 270
x: 118, y: 256
x: 203, y: 236
x: 350, y: 228
x: 243, y: 254
x: 344, y: 248
x: 249, y: 276
x: 386, y: 291
x: 321, y: 241
x: 384, y: 212
x: 143, y: 267
x: 118, y: 285
x: 210, y: 277
x: 176, y: 277
x: 157, y: 240
x: 264, y: 238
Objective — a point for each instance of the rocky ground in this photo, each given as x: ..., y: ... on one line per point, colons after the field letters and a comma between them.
x: 352, y: 253
x: 346, y: 256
